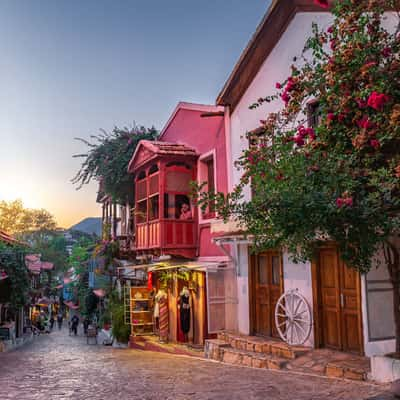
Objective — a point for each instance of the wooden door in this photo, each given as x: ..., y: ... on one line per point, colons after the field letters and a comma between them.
x: 267, y: 287
x: 339, y: 303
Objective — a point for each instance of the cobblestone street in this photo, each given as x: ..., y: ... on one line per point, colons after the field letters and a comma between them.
x: 58, y: 366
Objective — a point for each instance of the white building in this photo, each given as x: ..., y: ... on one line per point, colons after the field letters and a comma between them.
x: 350, y: 312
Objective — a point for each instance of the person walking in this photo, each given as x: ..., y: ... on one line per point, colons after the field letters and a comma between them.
x: 59, y: 320
x: 74, y: 324
x: 51, y: 321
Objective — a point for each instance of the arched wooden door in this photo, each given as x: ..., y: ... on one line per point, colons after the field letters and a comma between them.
x: 267, y: 286
x: 339, y: 303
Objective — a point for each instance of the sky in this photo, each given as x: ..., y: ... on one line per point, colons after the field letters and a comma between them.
x: 71, y: 67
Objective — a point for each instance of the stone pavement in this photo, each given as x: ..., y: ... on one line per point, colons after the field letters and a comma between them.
x: 58, y: 366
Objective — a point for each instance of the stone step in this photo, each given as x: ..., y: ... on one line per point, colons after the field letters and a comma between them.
x: 338, y: 370
x: 262, y: 346
x: 213, y: 349
x: 252, y: 359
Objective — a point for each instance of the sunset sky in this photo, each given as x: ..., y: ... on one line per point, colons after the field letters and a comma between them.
x: 70, y: 67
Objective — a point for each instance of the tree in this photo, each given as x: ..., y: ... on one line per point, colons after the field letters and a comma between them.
x: 16, y: 219
x: 108, y: 157
x: 339, y: 180
x: 15, y: 288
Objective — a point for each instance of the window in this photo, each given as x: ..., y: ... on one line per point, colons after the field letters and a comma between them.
x: 153, y: 210
x: 177, y: 206
x: 207, y: 175
x: 263, y: 270
x: 314, y: 114
x: 276, y: 270
x: 153, y: 169
x: 141, y: 212
x: 210, y: 183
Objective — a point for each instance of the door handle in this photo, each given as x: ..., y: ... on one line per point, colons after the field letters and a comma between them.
x: 341, y: 300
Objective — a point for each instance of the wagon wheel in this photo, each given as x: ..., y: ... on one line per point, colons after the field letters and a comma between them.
x: 293, y: 318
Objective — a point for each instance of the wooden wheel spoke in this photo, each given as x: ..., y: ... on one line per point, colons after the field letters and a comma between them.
x: 300, y: 327
x: 301, y: 320
x: 297, y: 335
x: 284, y: 308
x: 297, y: 307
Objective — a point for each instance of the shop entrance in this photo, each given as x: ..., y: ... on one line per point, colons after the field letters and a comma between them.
x: 267, y: 287
x: 338, y: 320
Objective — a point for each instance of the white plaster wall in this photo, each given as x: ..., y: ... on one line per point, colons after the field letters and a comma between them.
x: 298, y: 276
x: 275, y: 69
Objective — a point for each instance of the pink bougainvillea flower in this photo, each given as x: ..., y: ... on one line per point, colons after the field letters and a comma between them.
x: 322, y: 3
x: 330, y: 29
x: 311, y: 133
x: 330, y: 116
x: 386, y: 52
x: 278, y: 85
x: 365, y: 123
x: 361, y: 103
x: 341, y: 117
x: 375, y: 143
x: 299, y: 140
x: 348, y: 201
x: 339, y: 202
x: 290, y: 86
x: 285, y: 97
x: 333, y: 44
x: 377, y: 100
x: 344, y: 201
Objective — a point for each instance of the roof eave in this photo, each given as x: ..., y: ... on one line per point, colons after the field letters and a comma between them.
x: 281, y: 12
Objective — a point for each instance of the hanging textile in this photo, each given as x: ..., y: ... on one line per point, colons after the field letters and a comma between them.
x: 163, y: 306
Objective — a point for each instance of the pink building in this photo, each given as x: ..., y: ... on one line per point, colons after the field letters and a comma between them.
x: 171, y: 233
x: 202, y: 128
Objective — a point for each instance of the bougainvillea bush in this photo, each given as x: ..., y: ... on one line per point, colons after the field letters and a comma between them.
x: 337, y: 179
x: 108, y: 157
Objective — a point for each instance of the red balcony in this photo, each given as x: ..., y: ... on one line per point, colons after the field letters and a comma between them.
x: 165, y: 220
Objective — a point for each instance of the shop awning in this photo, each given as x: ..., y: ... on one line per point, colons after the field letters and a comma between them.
x: 189, y: 265
x: 99, y: 292
x: 43, y: 301
x: 71, y: 305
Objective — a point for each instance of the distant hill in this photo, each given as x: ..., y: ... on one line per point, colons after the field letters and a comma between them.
x: 88, y: 225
